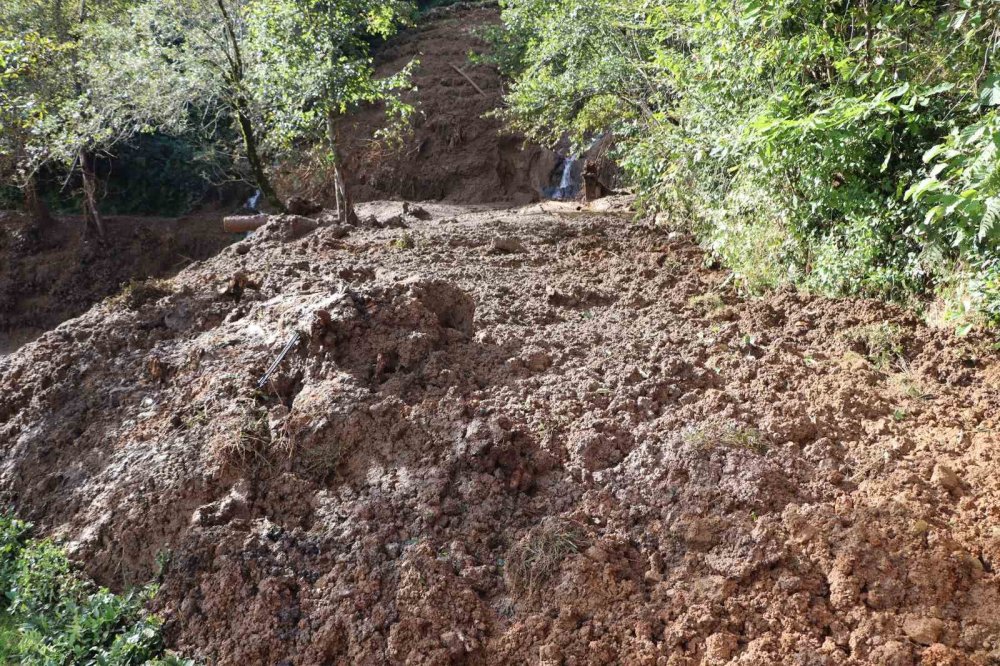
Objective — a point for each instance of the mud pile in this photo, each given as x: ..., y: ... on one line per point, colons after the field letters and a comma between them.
x: 453, y: 153
x: 510, y: 437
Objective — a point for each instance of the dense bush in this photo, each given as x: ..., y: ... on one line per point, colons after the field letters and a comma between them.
x: 50, y: 615
x: 851, y: 147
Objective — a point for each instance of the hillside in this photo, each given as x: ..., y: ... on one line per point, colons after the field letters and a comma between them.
x: 475, y: 426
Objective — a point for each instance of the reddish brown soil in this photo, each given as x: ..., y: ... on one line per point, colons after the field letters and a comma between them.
x: 48, y: 277
x: 514, y: 437
x: 452, y: 153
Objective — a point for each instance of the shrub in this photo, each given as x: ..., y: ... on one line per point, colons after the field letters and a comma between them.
x: 853, y: 148
x: 50, y: 614
x: 881, y: 344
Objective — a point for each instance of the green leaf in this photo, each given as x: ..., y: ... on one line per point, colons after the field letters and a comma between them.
x: 990, y: 94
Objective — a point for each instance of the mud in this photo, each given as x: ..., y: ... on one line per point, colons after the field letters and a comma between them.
x: 48, y: 276
x: 581, y: 448
x: 453, y: 151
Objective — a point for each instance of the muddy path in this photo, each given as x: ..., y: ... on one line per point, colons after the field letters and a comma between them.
x: 507, y: 436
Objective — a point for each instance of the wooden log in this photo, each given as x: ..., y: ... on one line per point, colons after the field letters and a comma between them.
x: 469, y: 79
x: 236, y: 224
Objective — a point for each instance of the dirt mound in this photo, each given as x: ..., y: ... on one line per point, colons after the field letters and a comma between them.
x: 49, y: 277
x: 454, y: 153
x: 509, y: 437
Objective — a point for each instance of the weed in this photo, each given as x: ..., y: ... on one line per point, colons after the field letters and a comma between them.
x: 707, y: 303
x: 728, y: 435
x: 49, y: 614
x: 881, y: 344
x: 322, y: 460
x: 909, y: 384
x: 137, y: 293
x: 537, y: 556
x: 251, y: 448
x: 404, y: 242
x: 163, y: 559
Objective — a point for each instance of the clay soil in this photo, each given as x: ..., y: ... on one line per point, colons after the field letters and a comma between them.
x: 515, y: 436
x: 50, y: 275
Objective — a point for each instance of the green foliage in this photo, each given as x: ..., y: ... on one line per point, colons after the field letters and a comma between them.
x: 848, y: 147
x: 277, y: 71
x: 881, y: 344
x: 49, y: 614
x: 254, y: 79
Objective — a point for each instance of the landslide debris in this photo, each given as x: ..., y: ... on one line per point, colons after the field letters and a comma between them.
x: 454, y: 151
x: 588, y: 450
x: 47, y: 277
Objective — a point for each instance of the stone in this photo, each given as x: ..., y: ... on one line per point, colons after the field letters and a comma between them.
x: 945, y: 477
x: 507, y: 245
x: 923, y: 630
x: 719, y: 648
x: 415, y: 211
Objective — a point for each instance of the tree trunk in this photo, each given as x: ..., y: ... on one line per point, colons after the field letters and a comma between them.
x: 345, y: 202
x: 91, y: 212
x: 35, y: 206
x: 253, y: 157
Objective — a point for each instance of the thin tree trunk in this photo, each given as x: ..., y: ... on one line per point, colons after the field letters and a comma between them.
x: 91, y: 212
x: 339, y: 184
x: 253, y: 157
x: 241, y: 106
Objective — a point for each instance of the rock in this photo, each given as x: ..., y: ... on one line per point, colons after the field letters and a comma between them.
x: 719, y: 648
x: 237, y: 284
x: 394, y: 222
x: 550, y: 654
x: 337, y: 231
x: 945, y: 477
x: 415, y: 211
x: 923, y: 630
x: 538, y: 361
x: 942, y: 655
x: 284, y: 228
x: 302, y: 206
x: 507, y: 245
x: 892, y: 653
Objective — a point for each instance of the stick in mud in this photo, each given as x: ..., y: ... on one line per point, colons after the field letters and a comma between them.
x: 469, y: 79
x: 281, y: 357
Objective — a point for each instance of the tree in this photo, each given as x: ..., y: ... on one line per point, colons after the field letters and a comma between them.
x: 28, y: 76
x: 280, y: 69
x: 61, y: 98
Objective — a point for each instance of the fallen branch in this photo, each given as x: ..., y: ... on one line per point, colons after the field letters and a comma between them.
x: 459, y: 70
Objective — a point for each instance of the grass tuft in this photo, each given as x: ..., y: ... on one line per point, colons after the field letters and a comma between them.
x: 532, y: 561
x: 728, y: 435
x: 881, y: 344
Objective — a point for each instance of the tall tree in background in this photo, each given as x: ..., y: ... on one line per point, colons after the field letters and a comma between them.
x: 66, y: 96
x: 278, y: 68
x: 78, y: 78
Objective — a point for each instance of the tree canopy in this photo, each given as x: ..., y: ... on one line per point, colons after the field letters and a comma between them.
x: 84, y: 79
x: 850, y: 147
